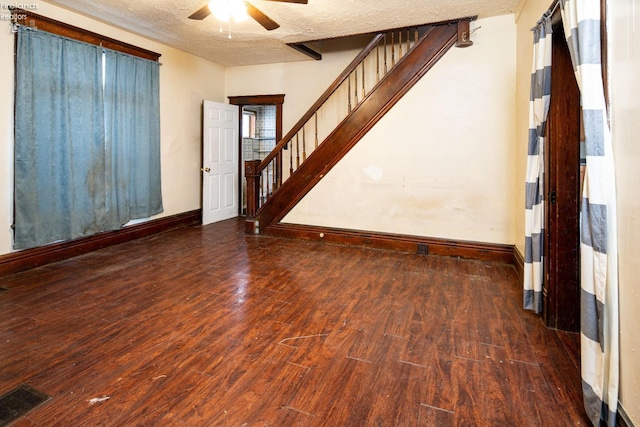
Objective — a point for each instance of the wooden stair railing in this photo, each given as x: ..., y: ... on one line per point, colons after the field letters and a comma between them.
x: 370, y: 85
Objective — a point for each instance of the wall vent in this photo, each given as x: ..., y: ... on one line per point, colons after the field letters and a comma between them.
x: 423, y: 249
x: 18, y: 402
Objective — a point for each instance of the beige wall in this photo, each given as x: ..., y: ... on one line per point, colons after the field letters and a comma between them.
x: 302, y: 82
x: 439, y: 164
x: 185, y: 80
x: 624, y: 60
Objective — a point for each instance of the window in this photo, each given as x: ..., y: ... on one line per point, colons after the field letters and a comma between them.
x: 248, y: 124
x: 87, y: 138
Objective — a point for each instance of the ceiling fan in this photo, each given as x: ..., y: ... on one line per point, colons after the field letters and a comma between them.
x: 252, y: 11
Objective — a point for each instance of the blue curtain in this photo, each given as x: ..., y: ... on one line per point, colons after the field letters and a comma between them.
x: 87, y: 139
x: 59, y: 140
x: 132, y: 115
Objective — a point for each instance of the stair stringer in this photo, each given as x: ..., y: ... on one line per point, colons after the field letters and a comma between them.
x: 407, y: 72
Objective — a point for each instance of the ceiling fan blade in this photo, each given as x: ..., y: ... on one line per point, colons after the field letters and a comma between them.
x: 201, y: 13
x: 261, y: 18
x: 292, y: 1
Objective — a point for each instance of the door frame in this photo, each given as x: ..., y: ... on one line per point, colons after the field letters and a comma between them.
x: 562, y: 191
x: 562, y: 302
x: 241, y: 102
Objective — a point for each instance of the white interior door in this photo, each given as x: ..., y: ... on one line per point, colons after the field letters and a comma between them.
x: 219, y: 162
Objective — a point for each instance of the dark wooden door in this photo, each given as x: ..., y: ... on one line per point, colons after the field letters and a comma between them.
x: 562, y: 264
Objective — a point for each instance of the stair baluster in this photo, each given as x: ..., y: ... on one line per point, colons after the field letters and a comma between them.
x: 290, y: 158
x: 355, y: 83
x: 349, y: 91
x: 393, y: 53
x: 377, y: 64
x: 267, y: 175
x: 363, y: 89
x: 316, y: 130
x: 304, y: 147
x: 385, y: 56
x: 297, y: 152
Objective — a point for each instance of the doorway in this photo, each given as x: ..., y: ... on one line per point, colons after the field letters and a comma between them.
x: 260, y: 130
x: 563, y: 191
x: 258, y: 137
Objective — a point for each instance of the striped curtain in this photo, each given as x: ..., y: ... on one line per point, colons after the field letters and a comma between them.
x: 534, y: 213
x: 598, y: 228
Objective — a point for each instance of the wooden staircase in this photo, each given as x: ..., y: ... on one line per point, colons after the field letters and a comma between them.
x: 366, y: 90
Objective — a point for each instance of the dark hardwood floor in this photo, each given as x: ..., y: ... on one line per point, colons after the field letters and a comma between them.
x: 206, y: 326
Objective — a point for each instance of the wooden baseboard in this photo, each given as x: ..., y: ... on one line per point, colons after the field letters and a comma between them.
x: 405, y: 243
x: 623, y: 419
x: 30, y: 258
x: 518, y: 263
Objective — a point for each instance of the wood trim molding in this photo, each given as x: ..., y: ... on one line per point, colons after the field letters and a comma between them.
x: 30, y: 258
x: 387, y: 30
x: 518, y: 263
x: 405, y: 243
x: 623, y: 418
x: 256, y: 99
x: 275, y: 99
x: 30, y: 19
x: 306, y: 49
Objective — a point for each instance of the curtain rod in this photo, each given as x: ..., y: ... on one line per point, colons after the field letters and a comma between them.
x: 548, y: 14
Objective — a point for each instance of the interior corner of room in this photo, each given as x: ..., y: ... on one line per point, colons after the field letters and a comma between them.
x: 440, y: 174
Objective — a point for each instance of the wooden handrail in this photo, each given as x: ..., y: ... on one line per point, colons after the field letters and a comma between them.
x: 323, y: 98
x: 268, y: 177
x: 379, y: 100
x: 266, y: 188
x: 275, y: 196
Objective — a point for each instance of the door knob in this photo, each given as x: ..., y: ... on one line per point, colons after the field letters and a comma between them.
x: 205, y: 169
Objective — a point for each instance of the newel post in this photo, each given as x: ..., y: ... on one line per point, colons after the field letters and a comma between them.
x: 253, y: 186
x: 464, y: 34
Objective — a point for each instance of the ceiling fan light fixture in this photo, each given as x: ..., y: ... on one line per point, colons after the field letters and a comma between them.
x: 225, y: 10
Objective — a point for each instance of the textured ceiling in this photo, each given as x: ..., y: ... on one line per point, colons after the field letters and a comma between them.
x: 166, y: 21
